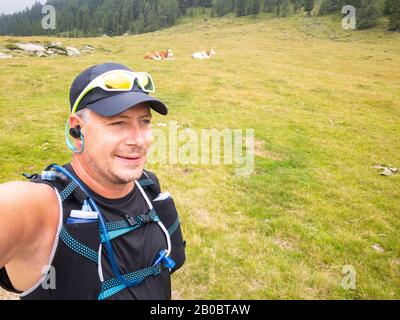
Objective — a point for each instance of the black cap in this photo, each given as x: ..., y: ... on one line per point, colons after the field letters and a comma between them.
x: 108, y: 103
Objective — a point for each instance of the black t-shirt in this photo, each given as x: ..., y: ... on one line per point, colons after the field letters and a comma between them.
x: 135, y: 250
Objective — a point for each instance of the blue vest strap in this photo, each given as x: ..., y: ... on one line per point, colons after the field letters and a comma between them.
x: 78, y: 247
x: 118, y: 228
x: 145, y: 182
x: 68, y: 190
x: 113, y: 286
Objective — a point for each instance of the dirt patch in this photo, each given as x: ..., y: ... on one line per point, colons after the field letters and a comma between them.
x: 260, y: 150
x: 284, y: 244
x: 204, y: 218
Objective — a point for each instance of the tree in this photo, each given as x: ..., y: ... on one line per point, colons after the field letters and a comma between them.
x: 392, y: 7
x: 297, y: 4
x: 328, y: 6
x: 308, y: 6
x: 222, y: 7
x: 240, y: 8
x: 367, y: 14
x: 388, y: 6
x: 269, y: 5
x: 284, y: 8
x: 254, y: 7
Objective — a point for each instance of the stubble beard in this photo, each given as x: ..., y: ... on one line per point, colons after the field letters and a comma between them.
x: 107, y: 174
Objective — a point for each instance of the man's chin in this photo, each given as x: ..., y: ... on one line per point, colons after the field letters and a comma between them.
x: 129, y: 174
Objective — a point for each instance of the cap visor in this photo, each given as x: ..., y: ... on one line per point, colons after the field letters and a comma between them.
x: 120, y: 102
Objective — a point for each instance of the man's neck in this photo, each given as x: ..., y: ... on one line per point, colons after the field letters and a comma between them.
x: 105, y: 189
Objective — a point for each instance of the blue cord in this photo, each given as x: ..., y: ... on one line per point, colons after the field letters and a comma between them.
x: 92, y: 203
x: 70, y: 145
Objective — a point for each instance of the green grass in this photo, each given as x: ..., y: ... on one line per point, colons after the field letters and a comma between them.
x: 324, y: 104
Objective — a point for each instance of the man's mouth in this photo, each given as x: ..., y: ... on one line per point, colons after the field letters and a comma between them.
x: 132, y: 159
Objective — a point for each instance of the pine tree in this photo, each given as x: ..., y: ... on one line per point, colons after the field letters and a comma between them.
x: 367, y: 14
x: 284, y: 8
x: 328, y: 6
x: 222, y: 7
x: 308, y: 6
x: 393, y: 7
x: 254, y: 7
x: 269, y: 5
x: 240, y: 8
x: 296, y: 5
x: 388, y: 6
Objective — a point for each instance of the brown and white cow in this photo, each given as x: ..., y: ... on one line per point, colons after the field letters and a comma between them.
x: 166, y: 54
x: 205, y: 54
x: 159, y: 55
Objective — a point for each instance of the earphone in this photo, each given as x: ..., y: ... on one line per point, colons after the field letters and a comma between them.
x: 75, y: 132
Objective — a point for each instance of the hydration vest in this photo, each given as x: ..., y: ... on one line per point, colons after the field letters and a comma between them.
x: 79, y: 260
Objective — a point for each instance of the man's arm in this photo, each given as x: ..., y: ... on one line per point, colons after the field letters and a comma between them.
x: 24, y: 209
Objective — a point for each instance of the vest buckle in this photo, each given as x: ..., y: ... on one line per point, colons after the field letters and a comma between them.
x: 131, y: 220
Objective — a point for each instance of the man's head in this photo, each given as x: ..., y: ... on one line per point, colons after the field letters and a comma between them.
x: 115, y: 126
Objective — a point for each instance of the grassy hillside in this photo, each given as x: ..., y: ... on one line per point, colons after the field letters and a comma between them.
x: 324, y: 104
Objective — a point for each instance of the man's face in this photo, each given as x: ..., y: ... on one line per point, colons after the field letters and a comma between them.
x: 116, y: 147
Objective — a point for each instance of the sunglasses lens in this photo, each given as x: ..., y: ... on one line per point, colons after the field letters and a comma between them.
x: 117, y: 81
x: 145, y: 82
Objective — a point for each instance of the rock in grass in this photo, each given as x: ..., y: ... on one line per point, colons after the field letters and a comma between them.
x: 42, y: 53
x: 386, y: 171
x: 378, y: 248
x: 45, y: 49
x: 88, y: 47
x: 30, y: 47
x: 60, y: 51
x: 5, y: 56
x: 56, y: 44
x: 57, y: 48
x: 73, y: 52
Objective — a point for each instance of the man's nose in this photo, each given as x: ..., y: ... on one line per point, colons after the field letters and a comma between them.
x: 136, y: 136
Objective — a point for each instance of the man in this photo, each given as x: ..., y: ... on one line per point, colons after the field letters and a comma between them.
x: 98, y: 227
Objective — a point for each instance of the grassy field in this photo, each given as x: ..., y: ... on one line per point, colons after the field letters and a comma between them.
x: 324, y: 104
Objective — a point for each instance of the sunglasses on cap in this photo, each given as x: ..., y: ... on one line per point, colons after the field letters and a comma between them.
x: 118, y: 80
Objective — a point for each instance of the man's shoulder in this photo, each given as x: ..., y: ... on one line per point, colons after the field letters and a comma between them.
x: 37, y: 204
x: 25, y: 192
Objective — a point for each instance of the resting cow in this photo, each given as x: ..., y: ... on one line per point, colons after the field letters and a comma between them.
x: 159, y: 55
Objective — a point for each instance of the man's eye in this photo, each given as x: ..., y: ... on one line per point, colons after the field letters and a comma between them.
x: 146, y: 121
x: 119, y: 123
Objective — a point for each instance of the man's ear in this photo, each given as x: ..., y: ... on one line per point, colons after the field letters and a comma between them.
x: 75, y: 121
